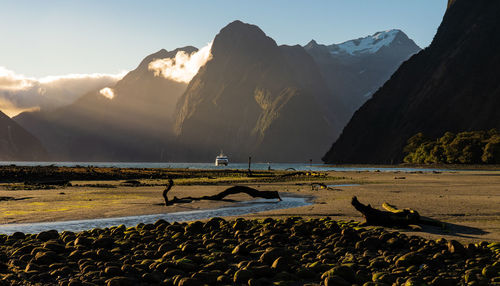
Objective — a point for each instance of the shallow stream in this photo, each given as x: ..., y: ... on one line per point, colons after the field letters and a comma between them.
x: 240, y: 208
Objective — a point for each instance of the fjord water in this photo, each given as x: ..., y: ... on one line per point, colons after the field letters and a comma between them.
x: 231, y: 166
x: 242, y: 208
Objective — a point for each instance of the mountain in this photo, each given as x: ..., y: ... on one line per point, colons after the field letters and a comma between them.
x: 452, y: 85
x: 17, y: 144
x: 135, y: 124
x: 357, y: 68
x: 252, y: 98
x: 255, y: 98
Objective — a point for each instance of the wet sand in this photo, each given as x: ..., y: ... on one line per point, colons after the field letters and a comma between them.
x: 468, y: 201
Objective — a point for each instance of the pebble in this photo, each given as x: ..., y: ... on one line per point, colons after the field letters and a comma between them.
x: 291, y: 251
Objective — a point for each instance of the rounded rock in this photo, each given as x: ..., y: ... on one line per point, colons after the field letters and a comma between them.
x: 242, y: 276
x: 120, y: 281
x: 335, y: 280
x: 281, y: 264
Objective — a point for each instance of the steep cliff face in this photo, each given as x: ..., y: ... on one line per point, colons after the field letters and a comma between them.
x: 16, y: 144
x: 255, y: 98
x: 453, y: 85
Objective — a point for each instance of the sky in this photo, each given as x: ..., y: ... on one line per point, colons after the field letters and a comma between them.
x: 59, y: 37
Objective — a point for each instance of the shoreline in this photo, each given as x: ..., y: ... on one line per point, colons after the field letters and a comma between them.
x: 317, y: 243
x: 242, y: 165
x: 444, y: 167
x: 465, y: 200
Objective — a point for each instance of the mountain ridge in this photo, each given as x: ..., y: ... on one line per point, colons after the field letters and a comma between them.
x: 242, y: 99
x: 449, y: 86
x: 135, y: 125
x: 356, y: 76
x: 253, y: 98
x: 17, y: 144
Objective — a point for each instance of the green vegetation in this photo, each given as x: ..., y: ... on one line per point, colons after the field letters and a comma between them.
x: 472, y: 147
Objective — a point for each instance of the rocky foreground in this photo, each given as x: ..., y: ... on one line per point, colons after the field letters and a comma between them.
x: 254, y: 252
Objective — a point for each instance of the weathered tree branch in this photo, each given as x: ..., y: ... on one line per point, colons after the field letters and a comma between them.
x: 246, y: 190
x: 395, y: 217
x: 169, y: 186
x: 220, y: 196
x: 392, y: 217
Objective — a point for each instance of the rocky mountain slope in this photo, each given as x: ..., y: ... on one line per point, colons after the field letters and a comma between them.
x: 453, y: 85
x: 357, y: 68
x: 17, y: 144
x: 257, y: 99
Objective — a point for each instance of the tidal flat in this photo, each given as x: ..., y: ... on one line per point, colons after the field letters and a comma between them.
x: 467, y: 201
x: 319, y: 243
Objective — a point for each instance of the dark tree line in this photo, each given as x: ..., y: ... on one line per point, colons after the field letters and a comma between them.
x: 471, y: 147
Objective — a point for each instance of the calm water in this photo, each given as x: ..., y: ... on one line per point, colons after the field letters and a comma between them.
x: 253, y: 206
x: 240, y: 166
x: 343, y: 185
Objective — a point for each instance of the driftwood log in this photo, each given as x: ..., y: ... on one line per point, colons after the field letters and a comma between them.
x: 220, y: 196
x: 392, y: 216
x: 169, y: 186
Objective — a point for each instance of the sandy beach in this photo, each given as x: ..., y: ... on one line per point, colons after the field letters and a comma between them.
x: 467, y: 200
x: 325, y: 246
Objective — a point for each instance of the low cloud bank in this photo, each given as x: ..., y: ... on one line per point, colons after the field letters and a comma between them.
x: 19, y: 93
x: 184, y: 66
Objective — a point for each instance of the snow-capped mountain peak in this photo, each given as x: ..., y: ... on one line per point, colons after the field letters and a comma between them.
x: 367, y: 45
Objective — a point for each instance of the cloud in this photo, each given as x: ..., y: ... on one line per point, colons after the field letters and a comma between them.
x: 184, y: 66
x: 12, y: 81
x: 107, y: 92
x: 10, y: 109
x: 76, y: 77
x: 19, y: 93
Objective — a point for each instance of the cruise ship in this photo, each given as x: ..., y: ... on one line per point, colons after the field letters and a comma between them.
x: 221, y: 160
